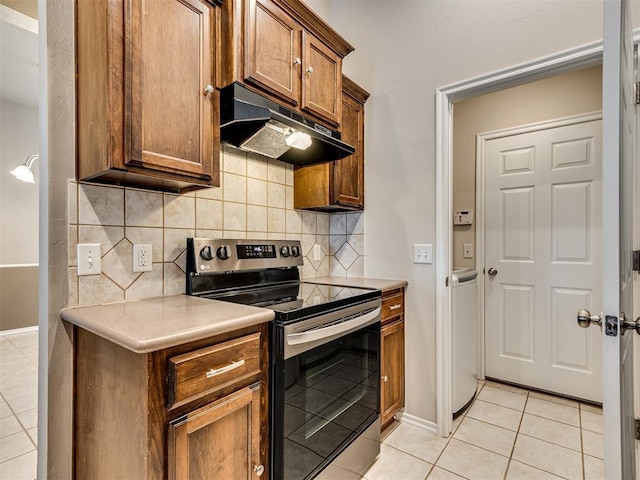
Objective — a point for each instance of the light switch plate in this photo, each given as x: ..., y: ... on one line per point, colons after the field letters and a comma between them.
x: 142, y: 257
x: 89, y: 259
x: 422, y: 253
x: 467, y: 250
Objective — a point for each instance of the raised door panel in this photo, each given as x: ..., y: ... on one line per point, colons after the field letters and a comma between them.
x: 349, y: 171
x: 170, y: 119
x: 392, y: 366
x: 219, y: 440
x: 272, y: 50
x: 321, y: 80
x: 542, y: 237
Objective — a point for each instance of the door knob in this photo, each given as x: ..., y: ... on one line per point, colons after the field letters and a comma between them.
x: 585, y: 319
x: 492, y: 272
x: 629, y: 324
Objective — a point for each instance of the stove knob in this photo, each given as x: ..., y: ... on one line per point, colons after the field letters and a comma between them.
x: 284, y: 251
x: 224, y: 252
x: 206, y: 254
x: 295, y: 251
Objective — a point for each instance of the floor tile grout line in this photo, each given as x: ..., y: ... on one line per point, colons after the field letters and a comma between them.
x: 515, y: 440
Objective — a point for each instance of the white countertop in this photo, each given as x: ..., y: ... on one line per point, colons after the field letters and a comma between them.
x: 144, y: 326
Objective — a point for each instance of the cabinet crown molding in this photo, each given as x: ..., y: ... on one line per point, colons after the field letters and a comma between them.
x: 316, y: 25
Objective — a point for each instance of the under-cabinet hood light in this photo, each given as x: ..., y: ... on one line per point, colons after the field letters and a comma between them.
x: 298, y: 140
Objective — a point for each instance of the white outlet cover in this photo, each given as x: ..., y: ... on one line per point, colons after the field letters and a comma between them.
x: 89, y: 259
x: 317, y: 252
x: 142, y: 257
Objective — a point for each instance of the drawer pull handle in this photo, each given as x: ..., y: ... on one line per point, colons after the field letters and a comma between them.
x: 395, y: 307
x: 227, y: 368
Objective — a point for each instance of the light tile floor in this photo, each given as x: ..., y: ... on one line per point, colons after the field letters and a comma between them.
x: 508, y: 433
x: 18, y: 405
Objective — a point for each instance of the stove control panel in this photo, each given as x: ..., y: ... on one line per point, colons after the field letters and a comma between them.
x: 206, y: 255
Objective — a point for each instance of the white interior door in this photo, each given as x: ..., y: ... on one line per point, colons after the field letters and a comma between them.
x: 542, y: 256
x: 619, y: 128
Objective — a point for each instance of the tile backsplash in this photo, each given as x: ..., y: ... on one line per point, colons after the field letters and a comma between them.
x: 254, y: 201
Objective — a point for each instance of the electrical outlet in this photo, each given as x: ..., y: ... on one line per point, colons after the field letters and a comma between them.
x: 317, y: 252
x: 467, y: 250
x: 422, y: 253
x: 142, y: 259
x: 89, y: 259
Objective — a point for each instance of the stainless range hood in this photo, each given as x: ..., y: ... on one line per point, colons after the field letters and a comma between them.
x: 253, y: 123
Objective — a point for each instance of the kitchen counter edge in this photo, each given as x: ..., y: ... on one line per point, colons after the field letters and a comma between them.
x: 362, y: 282
x: 148, y: 325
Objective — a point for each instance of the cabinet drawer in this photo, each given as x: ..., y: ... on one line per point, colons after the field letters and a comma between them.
x: 201, y: 372
x: 393, y: 306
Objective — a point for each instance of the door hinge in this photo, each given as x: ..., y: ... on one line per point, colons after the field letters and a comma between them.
x: 637, y: 428
x: 636, y: 91
x: 446, y: 282
x: 636, y: 260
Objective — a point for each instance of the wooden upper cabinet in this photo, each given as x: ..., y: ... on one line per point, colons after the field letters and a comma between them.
x: 322, y: 80
x: 272, y: 54
x: 338, y: 185
x: 147, y: 112
x: 282, y: 48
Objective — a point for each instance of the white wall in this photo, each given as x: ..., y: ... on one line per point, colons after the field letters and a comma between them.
x: 405, y: 50
x: 18, y: 200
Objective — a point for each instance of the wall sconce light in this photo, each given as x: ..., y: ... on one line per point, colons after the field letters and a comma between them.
x: 23, y: 172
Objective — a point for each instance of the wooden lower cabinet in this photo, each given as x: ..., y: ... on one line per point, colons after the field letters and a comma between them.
x: 127, y: 424
x: 219, y: 440
x: 391, y: 356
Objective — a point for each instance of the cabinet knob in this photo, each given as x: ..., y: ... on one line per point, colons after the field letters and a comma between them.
x: 385, y: 379
x: 259, y: 469
x: 208, y: 90
x: 309, y: 70
x: 297, y: 61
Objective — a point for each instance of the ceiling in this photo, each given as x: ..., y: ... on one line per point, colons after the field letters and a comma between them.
x: 18, y: 63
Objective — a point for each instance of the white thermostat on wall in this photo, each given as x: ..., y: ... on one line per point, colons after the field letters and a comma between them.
x: 463, y: 217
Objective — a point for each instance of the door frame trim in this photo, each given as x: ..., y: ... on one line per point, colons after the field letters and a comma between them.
x: 574, y: 59
x: 481, y: 142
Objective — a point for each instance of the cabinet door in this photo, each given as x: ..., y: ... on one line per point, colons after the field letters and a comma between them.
x: 349, y: 171
x: 272, y: 50
x: 321, y: 80
x: 219, y: 440
x: 171, y: 120
x: 392, y: 370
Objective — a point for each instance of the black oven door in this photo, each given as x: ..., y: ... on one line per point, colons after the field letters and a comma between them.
x: 323, y: 399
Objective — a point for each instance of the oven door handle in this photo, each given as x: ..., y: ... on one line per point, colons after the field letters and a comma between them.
x: 340, y: 328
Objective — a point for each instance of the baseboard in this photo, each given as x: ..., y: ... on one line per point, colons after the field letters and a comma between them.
x: 19, y: 330
x: 421, y: 423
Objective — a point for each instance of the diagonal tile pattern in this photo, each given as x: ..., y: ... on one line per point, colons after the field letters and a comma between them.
x: 508, y: 433
x: 18, y: 404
